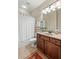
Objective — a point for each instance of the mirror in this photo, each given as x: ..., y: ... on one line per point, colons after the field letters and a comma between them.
x: 53, y: 20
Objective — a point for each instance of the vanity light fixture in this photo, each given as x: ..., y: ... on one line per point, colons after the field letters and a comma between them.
x: 44, y: 11
x: 23, y: 6
x: 58, y: 7
x: 48, y: 9
x: 52, y: 7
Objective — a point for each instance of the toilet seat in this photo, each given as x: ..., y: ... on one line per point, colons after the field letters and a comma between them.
x: 33, y: 39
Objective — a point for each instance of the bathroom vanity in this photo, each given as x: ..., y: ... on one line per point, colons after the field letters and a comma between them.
x: 49, y: 44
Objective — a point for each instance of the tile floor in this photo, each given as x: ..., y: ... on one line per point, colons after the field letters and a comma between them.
x: 25, y: 51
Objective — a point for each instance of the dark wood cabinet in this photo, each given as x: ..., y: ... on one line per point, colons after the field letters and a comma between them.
x: 51, y: 50
x: 40, y: 43
x: 51, y: 47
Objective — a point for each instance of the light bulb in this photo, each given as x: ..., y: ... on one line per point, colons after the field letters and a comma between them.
x: 58, y: 7
x: 48, y: 9
x: 44, y: 11
x: 53, y: 9
x: 23, y: 6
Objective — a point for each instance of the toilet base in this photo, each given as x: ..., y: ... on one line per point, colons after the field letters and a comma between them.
x: 33, y: 42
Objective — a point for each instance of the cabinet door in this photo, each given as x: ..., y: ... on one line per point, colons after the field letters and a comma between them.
x: 51, y: 50
x: 40, y: 44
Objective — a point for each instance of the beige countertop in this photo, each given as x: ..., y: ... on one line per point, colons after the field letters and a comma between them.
x: 57, y: 36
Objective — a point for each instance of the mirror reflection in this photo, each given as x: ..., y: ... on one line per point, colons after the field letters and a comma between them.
x: 51, y: 20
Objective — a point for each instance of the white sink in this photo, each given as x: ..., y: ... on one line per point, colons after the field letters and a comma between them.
x: 52, y: 33
x: 49, y: 33
x: 45, y: 32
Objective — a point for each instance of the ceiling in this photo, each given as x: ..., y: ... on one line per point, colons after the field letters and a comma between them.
x: 37, y: 11
x: 30, y: 4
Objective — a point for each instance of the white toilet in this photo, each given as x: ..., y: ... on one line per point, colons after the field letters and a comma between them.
x: 33, y: 41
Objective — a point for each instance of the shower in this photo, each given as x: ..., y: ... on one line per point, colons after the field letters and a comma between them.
x: 26, y: 29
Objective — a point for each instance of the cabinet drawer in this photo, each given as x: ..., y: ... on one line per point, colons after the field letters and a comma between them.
x: 45, y: 37
x: 55, y: 41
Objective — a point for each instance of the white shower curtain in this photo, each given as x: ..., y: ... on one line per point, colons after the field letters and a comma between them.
x: 26, y: 28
